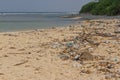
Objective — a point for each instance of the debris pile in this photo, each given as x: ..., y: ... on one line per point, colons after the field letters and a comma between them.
x: 82, y: 48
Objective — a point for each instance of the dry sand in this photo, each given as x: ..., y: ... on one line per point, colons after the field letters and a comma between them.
x: 34, y: 55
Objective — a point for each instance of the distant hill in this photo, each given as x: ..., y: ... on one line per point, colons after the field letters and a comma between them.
x: 102, y: 7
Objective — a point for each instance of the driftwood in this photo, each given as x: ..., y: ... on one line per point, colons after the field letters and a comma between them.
x: 21, y: 53
x: 104, y: 34
x: 1, y: 73
x: 23, y: 62
x: 10, y: 35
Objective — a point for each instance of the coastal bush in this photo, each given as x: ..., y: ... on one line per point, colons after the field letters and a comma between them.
x: 88, y: 7
x: 102, y: 7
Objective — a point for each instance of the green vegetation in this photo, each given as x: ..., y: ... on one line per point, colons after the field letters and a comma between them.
x: 103, y: 7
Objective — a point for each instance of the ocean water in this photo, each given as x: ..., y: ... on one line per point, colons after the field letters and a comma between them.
x: 29, y: 21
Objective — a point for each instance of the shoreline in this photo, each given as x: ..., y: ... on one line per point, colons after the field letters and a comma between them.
x: 55, y: 27
x: 34, y: 29
x: 90, y: 16
x: 73, y: 19
x: 79, y: 51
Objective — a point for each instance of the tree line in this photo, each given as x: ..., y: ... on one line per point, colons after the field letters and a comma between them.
x: 102, y: 7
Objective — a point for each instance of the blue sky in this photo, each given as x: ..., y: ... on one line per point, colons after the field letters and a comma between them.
x: 42, y: 5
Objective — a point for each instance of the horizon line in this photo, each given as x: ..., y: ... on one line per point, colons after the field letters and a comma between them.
x: 37, y: 12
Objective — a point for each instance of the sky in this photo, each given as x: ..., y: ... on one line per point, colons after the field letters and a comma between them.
x: 41, y: 5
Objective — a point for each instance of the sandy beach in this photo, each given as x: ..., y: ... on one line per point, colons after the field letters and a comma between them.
x: 83, y: 51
